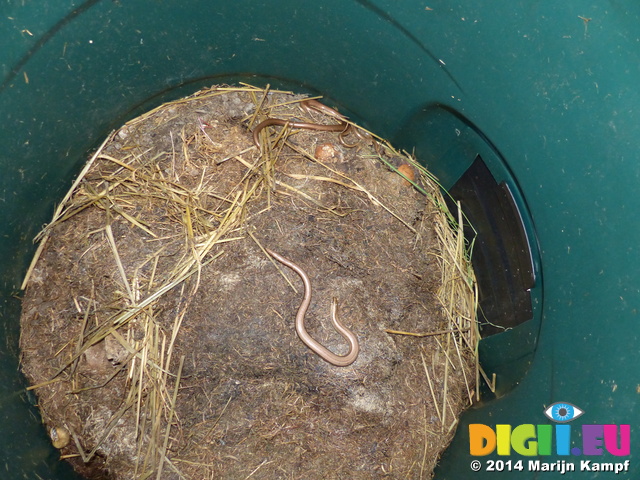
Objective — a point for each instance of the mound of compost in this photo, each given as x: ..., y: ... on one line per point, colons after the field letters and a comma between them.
x: 159, y: 332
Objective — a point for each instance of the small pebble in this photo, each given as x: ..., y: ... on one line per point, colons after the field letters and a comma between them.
x: 328, y: 152
x: 60, y: 437
x: 407, y: 170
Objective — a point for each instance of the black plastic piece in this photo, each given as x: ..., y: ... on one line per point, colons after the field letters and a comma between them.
x: 501, y: 256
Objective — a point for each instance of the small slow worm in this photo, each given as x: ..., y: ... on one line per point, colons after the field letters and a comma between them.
x: 344, y: 128
x: 310, y: 105
x: 324, y: 353
x: 341, y: 127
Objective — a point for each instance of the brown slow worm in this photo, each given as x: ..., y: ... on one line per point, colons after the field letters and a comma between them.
x: 307, y: 126
x: 324, y: 353
x: 343, y: 127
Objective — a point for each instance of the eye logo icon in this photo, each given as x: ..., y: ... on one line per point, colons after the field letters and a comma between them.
x: 562, y: 412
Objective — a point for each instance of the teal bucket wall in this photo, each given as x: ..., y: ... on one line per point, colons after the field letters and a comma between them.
x: 545, y: 91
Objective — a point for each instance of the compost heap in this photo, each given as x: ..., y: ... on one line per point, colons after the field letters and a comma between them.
x: 159, y: 334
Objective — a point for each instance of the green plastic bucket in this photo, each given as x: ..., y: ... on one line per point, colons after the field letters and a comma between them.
x: 528, y: 111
